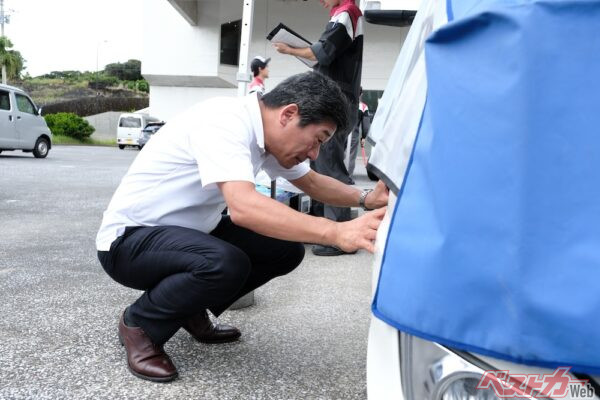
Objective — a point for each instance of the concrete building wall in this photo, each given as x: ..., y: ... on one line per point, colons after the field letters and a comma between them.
x: 105, y: 125
x: 167, y: 101
x: 173, y: 47
x: 181, y: 60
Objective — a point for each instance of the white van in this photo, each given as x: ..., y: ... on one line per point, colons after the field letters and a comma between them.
x: 130, y: 129
x: 21, y: 125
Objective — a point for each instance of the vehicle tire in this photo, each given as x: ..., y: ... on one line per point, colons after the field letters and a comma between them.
x: 121, y: 146
x: 42, y: 146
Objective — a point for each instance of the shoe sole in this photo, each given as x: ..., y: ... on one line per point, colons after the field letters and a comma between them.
x: 146, y: 377
x: 330, y: 251
x: 332, y: 254
x: 217, y: 341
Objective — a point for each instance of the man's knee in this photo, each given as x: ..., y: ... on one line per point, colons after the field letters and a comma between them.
x: 294, y: 256
x: 228, y: 270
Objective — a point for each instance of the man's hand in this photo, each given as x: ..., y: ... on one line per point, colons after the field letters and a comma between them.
x: 282, y: 48
x: 304, y: 52
x: 378, y: 197
x: 360, y: 232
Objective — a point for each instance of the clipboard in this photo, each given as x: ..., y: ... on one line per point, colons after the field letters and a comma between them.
x: 283, y: 34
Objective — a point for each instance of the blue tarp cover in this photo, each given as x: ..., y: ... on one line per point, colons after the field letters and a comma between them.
x: 494, y: 245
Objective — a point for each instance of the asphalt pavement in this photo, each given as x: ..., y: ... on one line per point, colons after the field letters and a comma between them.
x: 305, y: 337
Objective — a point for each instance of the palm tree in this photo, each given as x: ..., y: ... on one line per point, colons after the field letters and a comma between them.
x: 10, y: 60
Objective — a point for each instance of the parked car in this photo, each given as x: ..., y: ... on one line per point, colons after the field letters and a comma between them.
x: 150, y: 129
x: 21, y: 125
x: 130, y: 129
x: 485, y: 283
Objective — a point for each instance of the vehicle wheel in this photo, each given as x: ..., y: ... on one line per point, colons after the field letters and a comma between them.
x: 41, y: 148
x: 121, y: 146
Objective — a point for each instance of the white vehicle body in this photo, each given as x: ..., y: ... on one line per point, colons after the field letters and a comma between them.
x: 130, y: 129
x: 21, y: 125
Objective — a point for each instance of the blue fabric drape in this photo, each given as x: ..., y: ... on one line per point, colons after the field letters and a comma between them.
x: 494, y: 246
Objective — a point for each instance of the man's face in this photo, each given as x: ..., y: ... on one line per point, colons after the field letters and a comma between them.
x: 330, y: 3
x: 301, y: 143
x: 264, y: 72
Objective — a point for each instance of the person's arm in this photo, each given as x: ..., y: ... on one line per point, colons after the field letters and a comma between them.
x: 261, y: 214
x: 304, y: 52
x: 332, y: 43
x: 333, y: 192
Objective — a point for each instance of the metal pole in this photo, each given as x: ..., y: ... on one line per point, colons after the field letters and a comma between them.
x: 243, y: 77
x: 98, y: 69
x: 4, y: 80
x: 97, y: 50
x: 2, y: 16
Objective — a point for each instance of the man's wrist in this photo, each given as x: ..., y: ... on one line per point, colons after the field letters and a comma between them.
x: 363, y: 199
x: 328, y: 232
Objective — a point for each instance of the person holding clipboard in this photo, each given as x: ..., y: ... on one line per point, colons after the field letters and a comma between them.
x: 338, y: 55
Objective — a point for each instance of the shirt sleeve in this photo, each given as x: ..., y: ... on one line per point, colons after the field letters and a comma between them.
x: 274, y: 170
x: 334, y: 41
x: 222, y: 152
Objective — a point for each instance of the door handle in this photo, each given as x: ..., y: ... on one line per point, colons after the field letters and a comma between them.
x: 10, y: 118
x: 18, y: 117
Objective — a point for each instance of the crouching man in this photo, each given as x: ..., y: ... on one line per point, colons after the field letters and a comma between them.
x: 164, y: 232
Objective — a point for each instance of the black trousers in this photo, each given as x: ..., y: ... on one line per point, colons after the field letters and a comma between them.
x: 184, y: 271
x: 330, y: 162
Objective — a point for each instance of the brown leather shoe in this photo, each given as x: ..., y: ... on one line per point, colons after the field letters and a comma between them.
x: 203, y: 330
x: 145, y: 359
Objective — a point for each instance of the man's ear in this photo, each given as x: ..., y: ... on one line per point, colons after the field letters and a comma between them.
x: 287, y: 113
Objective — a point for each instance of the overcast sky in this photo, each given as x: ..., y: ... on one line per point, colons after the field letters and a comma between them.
x: 57, y: 35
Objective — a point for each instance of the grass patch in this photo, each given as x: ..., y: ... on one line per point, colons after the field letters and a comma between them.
x: 58, y: 140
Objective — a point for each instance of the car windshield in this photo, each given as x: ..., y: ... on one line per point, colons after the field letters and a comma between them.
x: 130, y: 122
x: 152, y: 128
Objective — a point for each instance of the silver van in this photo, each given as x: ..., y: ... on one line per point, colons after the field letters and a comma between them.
x: 21, y: 125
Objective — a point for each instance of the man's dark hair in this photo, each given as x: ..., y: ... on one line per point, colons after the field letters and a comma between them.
x: 319, y: 99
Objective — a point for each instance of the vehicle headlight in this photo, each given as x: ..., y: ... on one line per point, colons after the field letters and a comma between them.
x: 430, y: 372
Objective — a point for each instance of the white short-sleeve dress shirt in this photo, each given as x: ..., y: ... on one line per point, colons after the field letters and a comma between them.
x: 173, y: 180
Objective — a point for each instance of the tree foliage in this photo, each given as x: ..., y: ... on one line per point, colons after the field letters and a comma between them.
x: 102, y: 81
x: 127, y: 71
x: 127, y: 74
x: 10, y: 59
x: 69, y: 76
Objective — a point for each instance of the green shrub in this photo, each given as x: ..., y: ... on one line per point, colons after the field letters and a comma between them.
x: 69, y: 124
x: 102, y: 82
x: 142, y: 86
